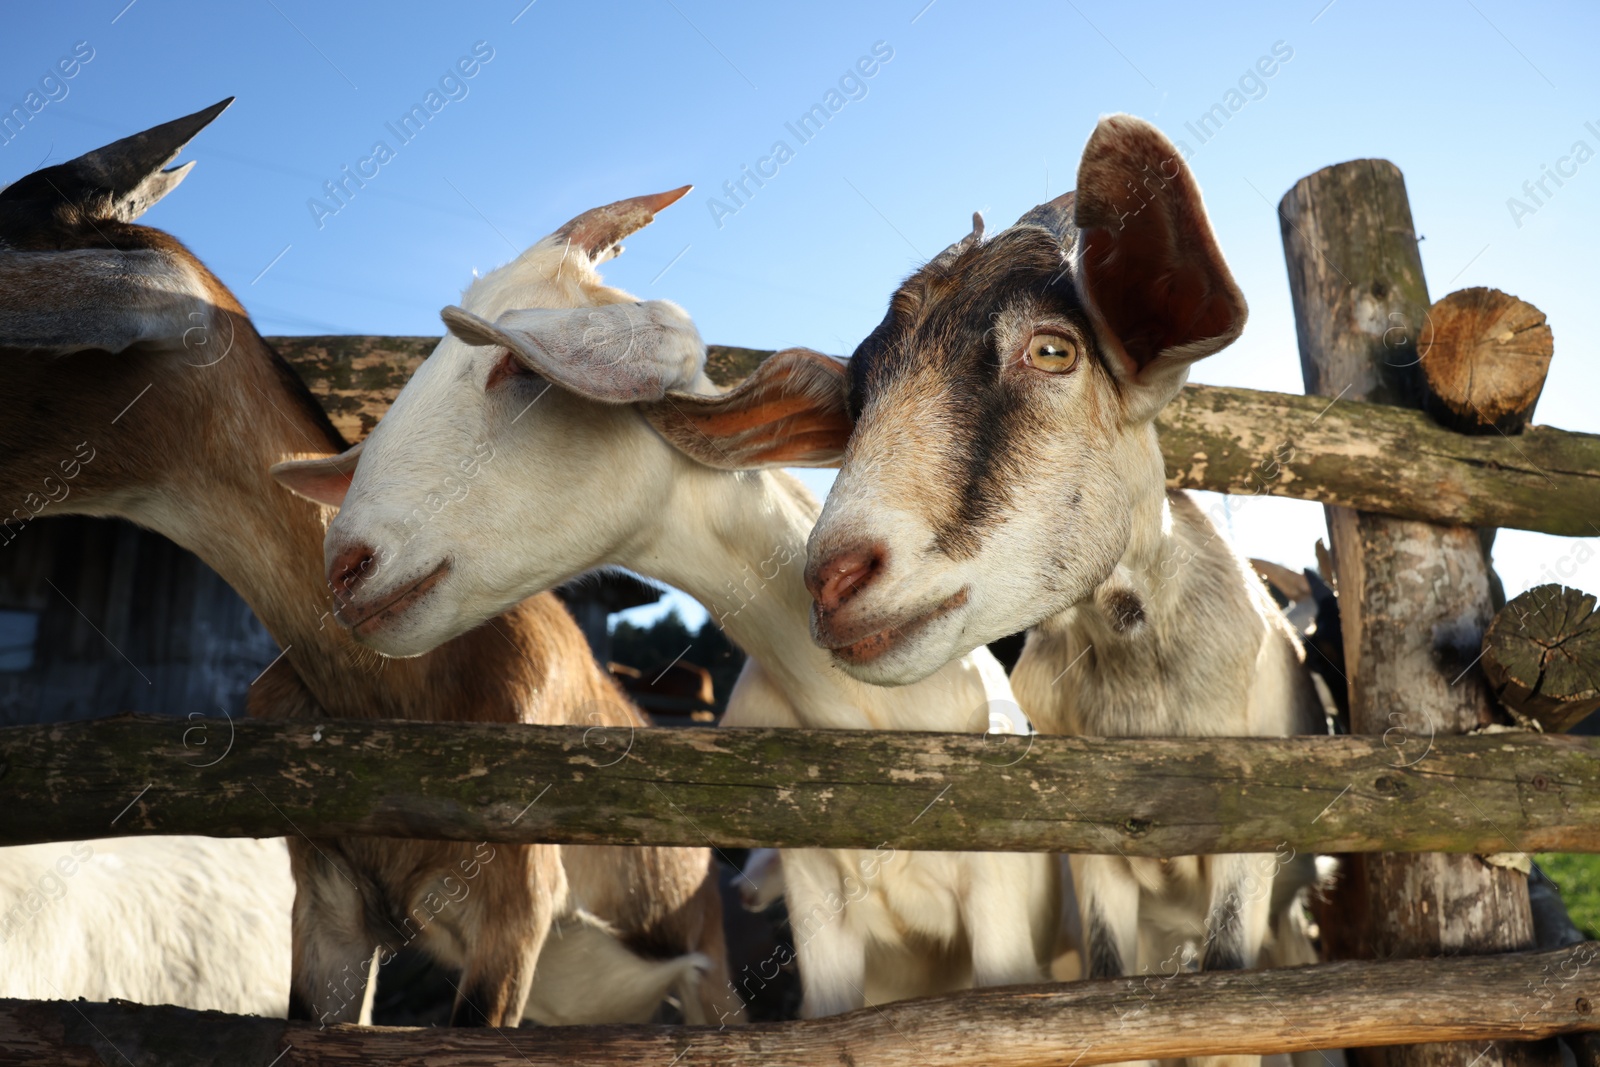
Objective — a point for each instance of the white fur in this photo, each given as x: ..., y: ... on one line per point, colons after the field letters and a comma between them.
x: 761, y: 881
x: 574, y: 484
x: 198, y: 922
x: 586, y: 976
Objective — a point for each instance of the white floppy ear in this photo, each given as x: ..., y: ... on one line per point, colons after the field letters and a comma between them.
x: 616, y: 353
x: 323, y: 480
x: 792, y: 412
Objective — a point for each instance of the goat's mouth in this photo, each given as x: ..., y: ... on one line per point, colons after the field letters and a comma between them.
x: 879, y: 643
x: 365, y: 620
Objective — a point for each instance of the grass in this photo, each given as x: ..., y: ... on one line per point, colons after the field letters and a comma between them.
x: 1578, y: 877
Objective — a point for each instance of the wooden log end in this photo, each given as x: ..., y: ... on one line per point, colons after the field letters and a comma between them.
x: 1541, y: 655
x: 1484, y: 356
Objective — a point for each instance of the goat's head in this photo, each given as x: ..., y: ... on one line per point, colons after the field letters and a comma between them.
x: 515, y: 457
x: 1003, y: 413
x: 116, y: 343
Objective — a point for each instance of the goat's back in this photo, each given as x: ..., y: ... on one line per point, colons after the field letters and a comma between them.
x: 195, y: 921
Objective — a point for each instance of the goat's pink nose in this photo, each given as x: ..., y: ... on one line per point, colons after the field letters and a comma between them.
x: 348, y: 569
x: 844, y: 574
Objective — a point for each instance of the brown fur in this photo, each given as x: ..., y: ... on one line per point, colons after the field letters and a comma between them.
x: 776, y: 417
x: 189, y: 458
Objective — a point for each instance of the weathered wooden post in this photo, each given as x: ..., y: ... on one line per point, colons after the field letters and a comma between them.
x: 1414, y: 597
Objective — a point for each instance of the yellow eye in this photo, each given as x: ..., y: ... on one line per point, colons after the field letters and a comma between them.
x: 1052, y: 353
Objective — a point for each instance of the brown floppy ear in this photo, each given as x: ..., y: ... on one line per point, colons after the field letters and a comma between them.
x: 1148, y: 264
x: 791, y: 412
x: 324, y: 480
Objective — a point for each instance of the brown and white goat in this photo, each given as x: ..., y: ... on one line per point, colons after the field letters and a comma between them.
x: 115, y: 335
x: 1003, y: 472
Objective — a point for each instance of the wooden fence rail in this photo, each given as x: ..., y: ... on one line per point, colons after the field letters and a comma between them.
x: 1517, y: 996
x: 1366, y: 456
x: 797, y: 788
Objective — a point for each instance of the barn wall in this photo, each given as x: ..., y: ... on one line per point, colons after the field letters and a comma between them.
x: 98, y: 616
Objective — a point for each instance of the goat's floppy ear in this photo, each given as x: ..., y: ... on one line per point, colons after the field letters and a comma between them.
x: 57, y: 303
x: 598, y: 232
x: 791, y: 412
x: 324, y: 480
x: 615, y: 353
x: 1148, y: 264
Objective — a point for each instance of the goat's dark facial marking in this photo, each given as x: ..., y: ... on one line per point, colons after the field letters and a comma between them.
x: 965, y: 345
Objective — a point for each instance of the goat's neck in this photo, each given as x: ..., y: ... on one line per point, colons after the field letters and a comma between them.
x: 220, y: 502
x: 737, y: 544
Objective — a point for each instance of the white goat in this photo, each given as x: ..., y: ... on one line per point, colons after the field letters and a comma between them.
x: 1003, y: 470
x: 567, y: 385
x: 198, y: 922
x: 118, y: 345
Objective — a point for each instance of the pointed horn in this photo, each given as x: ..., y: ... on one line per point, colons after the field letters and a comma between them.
x: 123, y: 179
x: 599, y: 231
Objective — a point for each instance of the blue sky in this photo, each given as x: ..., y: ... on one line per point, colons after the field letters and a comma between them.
x: 978, y: 106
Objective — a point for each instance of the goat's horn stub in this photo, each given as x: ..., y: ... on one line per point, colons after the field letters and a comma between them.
x: 949, y: 255
x: 120, y: 180
x: 599, y: 230
x: 1056, y: 216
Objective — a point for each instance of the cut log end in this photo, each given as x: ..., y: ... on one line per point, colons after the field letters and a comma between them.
x: 1484, y: 356
x: 1541, y: 656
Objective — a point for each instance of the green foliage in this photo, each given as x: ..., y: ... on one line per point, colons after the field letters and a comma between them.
x: 1578, y: 878
x: 651, y: 648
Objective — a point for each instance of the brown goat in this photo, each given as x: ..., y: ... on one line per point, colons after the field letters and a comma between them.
x: 117, y: 344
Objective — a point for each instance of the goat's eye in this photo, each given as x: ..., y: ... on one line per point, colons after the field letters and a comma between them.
x: 1052, y: 353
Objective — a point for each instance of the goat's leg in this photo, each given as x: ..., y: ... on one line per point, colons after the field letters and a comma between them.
x: 1005, y: 947
x: 1239, y: 910
x: 1108, y: 907
x: 832, y: 955
x: 1236, y: 924
x: 712, y: 999
x: 522, y: 889
x: 332, y: 948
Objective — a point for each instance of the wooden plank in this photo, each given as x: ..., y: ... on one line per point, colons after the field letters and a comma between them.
x: 1527, y: 996
x: 1414, y: 597
x: 798, y: 788
x: 1365, y: 456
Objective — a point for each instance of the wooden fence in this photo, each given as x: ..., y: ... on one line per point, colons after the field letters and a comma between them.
x: 1410, y: 801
